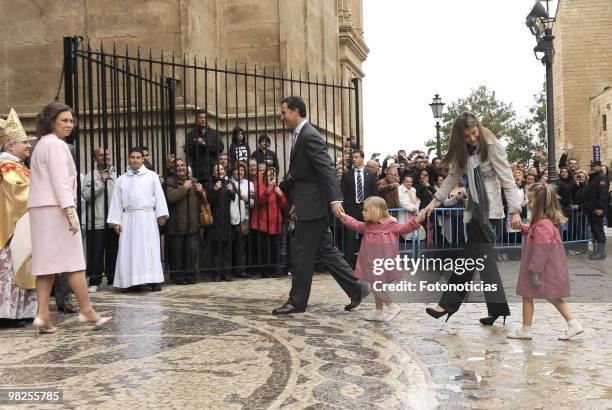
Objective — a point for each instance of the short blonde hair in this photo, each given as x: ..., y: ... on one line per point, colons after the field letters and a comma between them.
x: 377, y: 207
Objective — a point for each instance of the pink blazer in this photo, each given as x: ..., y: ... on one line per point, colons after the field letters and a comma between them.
x: 52, y: 174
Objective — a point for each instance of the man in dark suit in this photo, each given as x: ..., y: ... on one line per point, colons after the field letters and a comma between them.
x: 312, y: 177
x: 203, y: 146
x: 356, y: 185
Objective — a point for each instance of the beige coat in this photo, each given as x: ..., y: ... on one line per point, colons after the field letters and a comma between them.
x: 497, y: 175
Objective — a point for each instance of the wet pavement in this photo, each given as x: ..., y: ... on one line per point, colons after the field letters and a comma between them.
x: 215, y: 345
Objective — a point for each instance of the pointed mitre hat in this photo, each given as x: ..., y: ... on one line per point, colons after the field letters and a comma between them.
x: 11, y: 128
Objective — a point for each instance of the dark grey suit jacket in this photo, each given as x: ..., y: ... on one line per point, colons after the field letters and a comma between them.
x: 313, y: 176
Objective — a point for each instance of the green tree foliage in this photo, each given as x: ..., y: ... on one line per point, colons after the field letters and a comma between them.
x: 520, y: 136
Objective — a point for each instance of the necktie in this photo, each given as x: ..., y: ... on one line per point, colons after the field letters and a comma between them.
x: 359, y: 187
x: 293, y: 139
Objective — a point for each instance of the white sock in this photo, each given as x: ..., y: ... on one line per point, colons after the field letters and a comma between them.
x: 526, y: 329
x: 573, y: 323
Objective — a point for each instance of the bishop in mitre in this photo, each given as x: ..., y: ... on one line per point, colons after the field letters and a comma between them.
x: 17, y: 286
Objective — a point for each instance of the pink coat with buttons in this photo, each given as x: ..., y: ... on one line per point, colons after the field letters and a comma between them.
x: 380, y: 242
x: 543, y: 253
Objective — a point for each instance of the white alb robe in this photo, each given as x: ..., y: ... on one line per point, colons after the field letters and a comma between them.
x: 138, y: 200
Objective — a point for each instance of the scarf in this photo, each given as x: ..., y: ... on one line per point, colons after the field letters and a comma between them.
x: 478, y: 204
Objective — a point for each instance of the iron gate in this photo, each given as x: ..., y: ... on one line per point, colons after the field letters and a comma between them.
x: 125, y: 99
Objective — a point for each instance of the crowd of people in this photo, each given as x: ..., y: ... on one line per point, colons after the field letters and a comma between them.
x: 228, y: 211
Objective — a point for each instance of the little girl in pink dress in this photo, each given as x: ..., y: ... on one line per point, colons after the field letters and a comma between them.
x: 544, y: 272
x: 379, y: 243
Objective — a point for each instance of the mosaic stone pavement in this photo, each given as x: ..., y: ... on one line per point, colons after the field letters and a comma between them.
x: 215, y: 345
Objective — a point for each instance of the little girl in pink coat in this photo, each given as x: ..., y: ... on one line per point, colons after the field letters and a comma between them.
x: 379, y: 243
x: 544, y: 272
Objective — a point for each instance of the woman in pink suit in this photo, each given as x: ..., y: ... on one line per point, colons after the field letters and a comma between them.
x: 544, y: 273
x: 56, y: 242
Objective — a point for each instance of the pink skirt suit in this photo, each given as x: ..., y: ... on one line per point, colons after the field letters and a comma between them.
x: 380, y: 241
x: 543, y: 253
x: 53, y: 184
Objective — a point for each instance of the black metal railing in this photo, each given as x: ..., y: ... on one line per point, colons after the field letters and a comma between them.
x: 124, y: 99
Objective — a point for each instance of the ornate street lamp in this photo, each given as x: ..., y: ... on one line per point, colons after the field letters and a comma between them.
x: 437, y: 106
x: 540, y: 22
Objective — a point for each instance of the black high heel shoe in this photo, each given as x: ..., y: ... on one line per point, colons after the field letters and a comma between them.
x: 437, y: 314
x: 489, y: 320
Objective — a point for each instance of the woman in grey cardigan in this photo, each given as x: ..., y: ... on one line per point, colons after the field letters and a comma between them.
x: 475, y: 151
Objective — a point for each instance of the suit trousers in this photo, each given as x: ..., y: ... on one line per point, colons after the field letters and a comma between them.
x: 102, y: 248
x: 351, y: 242
x: 476, y: 247
x: 314, y: 238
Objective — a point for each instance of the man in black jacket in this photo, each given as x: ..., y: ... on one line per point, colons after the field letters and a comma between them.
x: 595, y: 206
x: 203, y: 146
x: 312, y: 178
x: 357, y: 185
x: 264, y: 155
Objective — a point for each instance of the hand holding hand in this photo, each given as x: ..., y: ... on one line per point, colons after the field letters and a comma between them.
x: 162, y: 220
x: 515, y: 221
x: 338, y: 209
x: 421, y: 215
x: 117, y: 229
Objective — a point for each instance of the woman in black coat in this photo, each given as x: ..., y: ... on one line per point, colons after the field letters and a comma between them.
x: 567, y: 187
x: 221, y: 191
x: 239, y: 149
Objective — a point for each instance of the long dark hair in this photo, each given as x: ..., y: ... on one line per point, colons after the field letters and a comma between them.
x: 457, y: 148
x: 236, y: 136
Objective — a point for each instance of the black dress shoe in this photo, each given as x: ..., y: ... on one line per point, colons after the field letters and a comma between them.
x: 287, y: 309
x: 355, y: 301
x: 227, y: 277
x: 191, y: 279
x: 155, y: 287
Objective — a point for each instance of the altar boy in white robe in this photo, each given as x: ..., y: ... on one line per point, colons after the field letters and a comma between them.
x: 137, y: 207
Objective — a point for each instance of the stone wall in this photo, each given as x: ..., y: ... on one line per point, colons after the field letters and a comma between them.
x: 318, y: 36
x: 601, y: 124
x: 582, y: 70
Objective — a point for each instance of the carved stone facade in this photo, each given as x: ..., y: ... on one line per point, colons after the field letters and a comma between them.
x: 582, y: 71
x: 320, y: 37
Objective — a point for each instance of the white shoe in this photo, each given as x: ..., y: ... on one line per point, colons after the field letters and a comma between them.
x: 375, y: 316
x: 571, y: 332
x: 92, y: 289
x: 393, y: 311
x: 519, y: 333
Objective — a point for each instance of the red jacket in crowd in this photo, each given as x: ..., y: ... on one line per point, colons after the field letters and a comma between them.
x: 266, y: 214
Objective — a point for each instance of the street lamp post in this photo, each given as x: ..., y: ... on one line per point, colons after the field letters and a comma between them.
x: 540, y: 21
x: 437, y: 106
